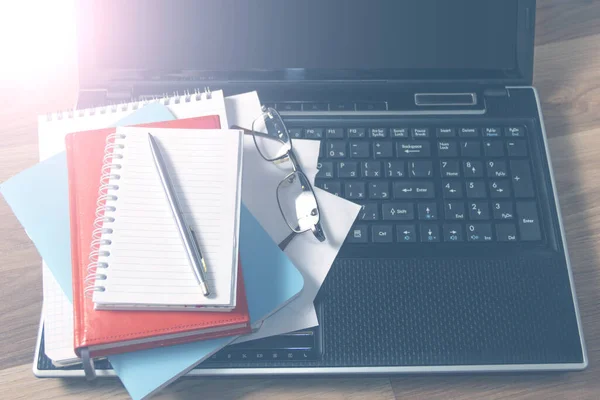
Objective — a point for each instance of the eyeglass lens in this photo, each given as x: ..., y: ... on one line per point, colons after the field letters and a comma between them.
x: 297, y: 202
x: 271, y: 136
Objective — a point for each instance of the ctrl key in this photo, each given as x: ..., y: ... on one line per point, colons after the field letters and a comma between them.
x: 358, y: 234
x: 382, y: 233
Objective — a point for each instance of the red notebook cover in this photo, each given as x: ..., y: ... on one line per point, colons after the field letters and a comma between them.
x: 112, y: 332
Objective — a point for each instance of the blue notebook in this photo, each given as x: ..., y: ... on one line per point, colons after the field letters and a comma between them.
x: 145, y: 372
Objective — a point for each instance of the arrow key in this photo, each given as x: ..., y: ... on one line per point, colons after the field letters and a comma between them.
x: 479, y: 210
x: 453, y: 233
x: 406, y: 233
x: 500, y: 188
x: 427, y: 211
x: 429, y: 233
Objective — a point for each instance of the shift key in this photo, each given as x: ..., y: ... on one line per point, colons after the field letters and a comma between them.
x: 414, y: 190
x: 529, y: 221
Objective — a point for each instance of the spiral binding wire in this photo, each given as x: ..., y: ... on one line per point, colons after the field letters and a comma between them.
x: 105, y: 207
x: 176, y: 98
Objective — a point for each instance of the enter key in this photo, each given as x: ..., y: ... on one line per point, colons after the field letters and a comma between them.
x: 529, y: 222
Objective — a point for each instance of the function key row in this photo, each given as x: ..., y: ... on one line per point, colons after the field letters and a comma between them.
x: 405, y: 132
x: 291, y: 106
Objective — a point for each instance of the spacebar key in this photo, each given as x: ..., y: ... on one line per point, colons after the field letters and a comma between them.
x: 414, y: 190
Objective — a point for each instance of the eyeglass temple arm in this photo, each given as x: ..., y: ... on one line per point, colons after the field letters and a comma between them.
x: 284, y: 243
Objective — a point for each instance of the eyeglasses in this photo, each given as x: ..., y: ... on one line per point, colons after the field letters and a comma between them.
x: 295, y: 194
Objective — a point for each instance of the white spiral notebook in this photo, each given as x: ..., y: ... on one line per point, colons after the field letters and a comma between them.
x: 141, y: 259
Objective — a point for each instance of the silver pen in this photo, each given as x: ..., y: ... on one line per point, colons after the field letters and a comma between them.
x: 187, y: 234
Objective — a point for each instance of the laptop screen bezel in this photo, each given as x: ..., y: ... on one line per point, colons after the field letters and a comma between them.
x: 522, y: 74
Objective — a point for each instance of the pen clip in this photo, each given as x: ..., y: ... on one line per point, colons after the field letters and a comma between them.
x: 197, y: 249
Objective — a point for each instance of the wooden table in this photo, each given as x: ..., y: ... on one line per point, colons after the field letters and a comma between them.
x: 567, y: 75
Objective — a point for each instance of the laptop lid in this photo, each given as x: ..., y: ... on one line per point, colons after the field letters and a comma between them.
x: 475, y: 41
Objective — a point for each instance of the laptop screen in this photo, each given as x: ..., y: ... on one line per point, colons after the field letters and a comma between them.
x: 304, y: 38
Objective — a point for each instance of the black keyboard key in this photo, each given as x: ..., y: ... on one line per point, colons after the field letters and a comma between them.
x: 514, y: 131
x: 315, y: 107
x: 370, y: 169
x: 452, y: 189
x: 334, y: 133
x: 288, y: 107
x: 378, y: 132
x: 453, y: 233
x: 496, y: 169
x: 332, y: 187
x: 476, y: 189
x: 382, y: 233
x: 336, y: 149
x: 420, y: 133
x: 470, y: 148
x: 356, y: 133
x: 499, y: 188
x: 447, y: 148
x: 358, y: 234
x: 503, y: 210
x: 394, y: 169
x: 429, y: 233
x: 492, y: 131
x: 478, y: 232
x: 313, y: 133
x: 529, y: 222
x: 371, y: 106
x: 473, y: 169
x: 406, y: 233
x: 325, y: 170
x: 395, y: 211
x: 420, y: 169
x: 445, y: 132
x: 379, y: 190
x: 383, y: 149
x: 521, y: 178
x: 341, y: 106
x: 479, y: 210
x: 493, y: 148
x: 369, y: 212
x: 427, y: 211
x: 517, y: 148
x: 468, y: 132
x: 414, y: 190
x: 399, y: 132
x: 450, y: 168
x: 347, y: 169
x: 355, y: 191
x: 360, y: 150
x: 454, y: 210
x: 506, y: 232
x: 413, y: 149
x: 296, y: 133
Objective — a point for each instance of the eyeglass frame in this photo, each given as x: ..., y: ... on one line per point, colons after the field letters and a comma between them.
x: 290, y: 155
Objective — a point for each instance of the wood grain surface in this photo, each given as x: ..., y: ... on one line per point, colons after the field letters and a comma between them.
x: 567, y: 75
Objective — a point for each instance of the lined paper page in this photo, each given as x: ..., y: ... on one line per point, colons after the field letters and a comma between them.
x: 58, y: 321
x: 147, y: 262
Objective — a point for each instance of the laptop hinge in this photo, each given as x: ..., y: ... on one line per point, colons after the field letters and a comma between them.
x: 496, y: 92
x: 119, y: 94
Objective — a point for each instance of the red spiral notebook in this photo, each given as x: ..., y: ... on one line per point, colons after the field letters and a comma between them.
x: 104, y: 333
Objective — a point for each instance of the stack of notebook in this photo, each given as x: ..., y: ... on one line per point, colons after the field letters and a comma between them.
x: 117, y: 283
x: 128, y: 259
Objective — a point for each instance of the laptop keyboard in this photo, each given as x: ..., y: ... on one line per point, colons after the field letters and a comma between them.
x: 427, y: 184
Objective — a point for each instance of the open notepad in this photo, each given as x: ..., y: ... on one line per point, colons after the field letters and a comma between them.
x: 141, y: 257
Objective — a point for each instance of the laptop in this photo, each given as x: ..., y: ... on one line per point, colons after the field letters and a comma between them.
x: 427, y: 118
